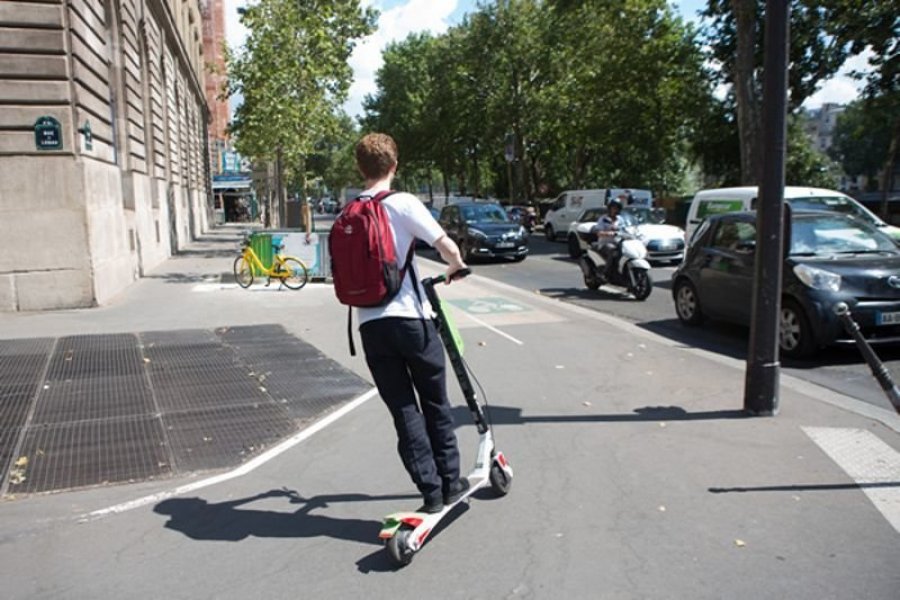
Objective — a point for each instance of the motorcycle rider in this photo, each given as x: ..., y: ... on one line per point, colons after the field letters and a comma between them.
x: 606, y: 229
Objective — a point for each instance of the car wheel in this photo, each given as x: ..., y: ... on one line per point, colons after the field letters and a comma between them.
x: 687, y: 303
x: 795, y: 334
x: 548, y: 231
x: 574, y: 246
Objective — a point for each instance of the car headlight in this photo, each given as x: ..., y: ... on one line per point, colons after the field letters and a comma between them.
x: 818, y: 279
x: 477, y: 233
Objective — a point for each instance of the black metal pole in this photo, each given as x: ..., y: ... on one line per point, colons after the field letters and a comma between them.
x: 761, y: 383
x: 875, y: 365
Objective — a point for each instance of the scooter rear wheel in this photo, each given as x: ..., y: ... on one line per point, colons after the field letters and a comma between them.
x: 398, y: 547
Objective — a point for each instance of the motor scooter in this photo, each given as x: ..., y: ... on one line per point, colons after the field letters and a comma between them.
x: 629, y: 268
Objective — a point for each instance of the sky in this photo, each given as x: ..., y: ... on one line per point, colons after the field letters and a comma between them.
x: 399, y: 18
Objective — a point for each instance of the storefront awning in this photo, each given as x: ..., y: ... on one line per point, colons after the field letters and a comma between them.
x: 230, y: 182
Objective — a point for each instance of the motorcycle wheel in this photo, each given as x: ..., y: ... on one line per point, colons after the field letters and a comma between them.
x: 592, y: 282
x: 643, y: 285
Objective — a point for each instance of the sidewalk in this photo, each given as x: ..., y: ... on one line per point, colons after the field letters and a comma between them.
x: 592, y: 411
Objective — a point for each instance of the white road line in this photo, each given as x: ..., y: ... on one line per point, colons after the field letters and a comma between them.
x: 494, y: 329
x: 245, y: 468
x: 867, y: 460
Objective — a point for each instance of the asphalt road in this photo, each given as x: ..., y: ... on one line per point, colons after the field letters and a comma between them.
x: 634, y: 476
x: 549, y: 271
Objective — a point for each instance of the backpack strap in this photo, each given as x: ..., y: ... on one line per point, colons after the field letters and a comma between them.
x: 350, y: 330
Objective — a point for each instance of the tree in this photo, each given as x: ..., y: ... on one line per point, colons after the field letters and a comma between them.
x: 861, y: 140
x: 735, y: 35
x: 804, y: 165
x: 293, y: 76
x: 873, y: 26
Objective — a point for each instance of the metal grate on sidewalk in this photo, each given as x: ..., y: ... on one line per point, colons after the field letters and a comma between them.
x: 100, y: 409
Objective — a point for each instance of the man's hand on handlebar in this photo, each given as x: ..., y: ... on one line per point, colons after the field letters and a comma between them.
x: 456, y: 271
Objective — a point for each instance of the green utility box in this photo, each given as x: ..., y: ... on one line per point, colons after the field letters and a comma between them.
x: 262, y: 246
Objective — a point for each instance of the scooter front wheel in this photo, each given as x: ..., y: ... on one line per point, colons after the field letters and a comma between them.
x: 398, y: 547
x: 643, y: 285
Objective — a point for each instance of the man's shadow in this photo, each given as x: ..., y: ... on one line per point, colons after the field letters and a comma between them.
x: 224, y: 521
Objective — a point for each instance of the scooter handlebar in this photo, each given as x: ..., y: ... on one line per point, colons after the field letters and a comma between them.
x: 459, y: 274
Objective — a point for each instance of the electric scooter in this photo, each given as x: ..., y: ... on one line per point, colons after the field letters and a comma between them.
x: 405, y: 533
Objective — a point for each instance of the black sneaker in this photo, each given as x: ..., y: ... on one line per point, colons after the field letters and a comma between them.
x: 455, y: 491
x: 431, y: 506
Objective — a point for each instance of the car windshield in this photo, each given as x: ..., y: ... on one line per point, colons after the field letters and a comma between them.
x: 824, y: 234
x: 484, y: 213
x: 839, y: 204
x: 628, y: 219
x: 646, y: 215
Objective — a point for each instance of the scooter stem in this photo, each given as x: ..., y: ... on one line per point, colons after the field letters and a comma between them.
x: 456, y: 361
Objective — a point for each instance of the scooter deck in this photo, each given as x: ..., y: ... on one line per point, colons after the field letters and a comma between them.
x: 394, y: 521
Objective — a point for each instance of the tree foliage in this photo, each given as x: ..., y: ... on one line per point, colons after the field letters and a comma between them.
x: 293, y: 76
x: 823, y: 34
x: 588, y: 93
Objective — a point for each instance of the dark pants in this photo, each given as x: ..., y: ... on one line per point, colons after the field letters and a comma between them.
x: 406, y: 357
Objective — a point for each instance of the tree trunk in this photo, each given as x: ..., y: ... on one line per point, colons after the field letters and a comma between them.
x: 279, y: 189
x: 747, y: 92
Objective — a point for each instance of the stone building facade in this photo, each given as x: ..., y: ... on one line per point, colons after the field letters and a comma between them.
x: 103, y: 145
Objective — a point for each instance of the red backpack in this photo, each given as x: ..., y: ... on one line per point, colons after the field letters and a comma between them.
x: 363, y: 257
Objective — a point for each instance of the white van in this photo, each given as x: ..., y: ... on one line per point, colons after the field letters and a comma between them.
x: 570, y: 204
x: 723, y: 200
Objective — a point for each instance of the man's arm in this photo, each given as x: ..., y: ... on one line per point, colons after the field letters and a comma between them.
x: 449, y: 251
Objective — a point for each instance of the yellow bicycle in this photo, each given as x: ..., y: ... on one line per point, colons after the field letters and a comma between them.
x: 288, y: 270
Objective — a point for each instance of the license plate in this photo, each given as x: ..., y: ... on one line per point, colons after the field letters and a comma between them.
x: 506, y: 245
x: 888, y: 318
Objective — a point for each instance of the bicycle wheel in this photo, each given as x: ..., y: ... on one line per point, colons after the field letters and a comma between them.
x: 292, y: 272
x: 243, y: 272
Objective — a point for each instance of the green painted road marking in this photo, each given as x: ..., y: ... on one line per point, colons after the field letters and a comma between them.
x: 490, y: 305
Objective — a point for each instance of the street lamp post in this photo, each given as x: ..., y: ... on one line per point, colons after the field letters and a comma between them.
x: 763, y: 367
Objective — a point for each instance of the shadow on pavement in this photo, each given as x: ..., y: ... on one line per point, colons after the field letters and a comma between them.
x: 813, y: 487
x: 731, y: 340
x: 199, y: 519
x: 505, y: 415
x: 586, y: 294
x: 231, y: 250
x: 193, y: 278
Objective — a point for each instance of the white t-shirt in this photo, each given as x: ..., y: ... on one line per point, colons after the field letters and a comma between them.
x: 409, y: 220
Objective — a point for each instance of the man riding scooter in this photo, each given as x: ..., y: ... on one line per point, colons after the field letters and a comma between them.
x: 606, y: 229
